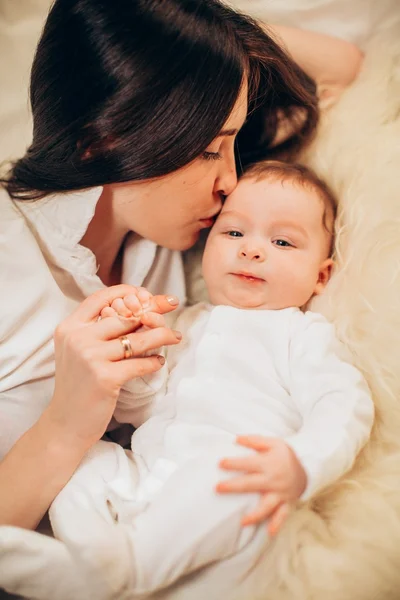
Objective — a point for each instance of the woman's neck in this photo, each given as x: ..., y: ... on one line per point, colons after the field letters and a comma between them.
x: 105, y: 237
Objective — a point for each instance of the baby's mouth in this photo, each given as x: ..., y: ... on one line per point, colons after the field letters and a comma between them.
x: 248, y: 277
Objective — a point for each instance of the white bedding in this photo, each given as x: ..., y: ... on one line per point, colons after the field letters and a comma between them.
x: 353, y: 20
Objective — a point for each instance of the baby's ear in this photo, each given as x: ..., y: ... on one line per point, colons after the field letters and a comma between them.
x: 324, y: 275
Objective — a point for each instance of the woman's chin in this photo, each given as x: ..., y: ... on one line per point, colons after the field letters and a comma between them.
x: 182, y: 243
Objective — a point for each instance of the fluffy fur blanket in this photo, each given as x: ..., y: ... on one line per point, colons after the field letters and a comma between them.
x: 345, y: 545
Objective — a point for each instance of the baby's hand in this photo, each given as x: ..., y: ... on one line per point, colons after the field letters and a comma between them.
x: 130, y: 307
x: 274, y: 471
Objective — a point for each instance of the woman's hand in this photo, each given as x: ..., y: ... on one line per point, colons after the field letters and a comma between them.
x: 274, y: 471
x: 90, y: 364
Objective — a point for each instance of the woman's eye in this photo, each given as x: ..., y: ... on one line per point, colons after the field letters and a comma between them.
x: 234, y: 233
x: 283, y: 244
x: 211, y: 155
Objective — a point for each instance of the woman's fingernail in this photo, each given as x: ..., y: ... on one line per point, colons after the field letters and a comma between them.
x: 161, y: 359
x: 178, y: 335
x: 173, y: 300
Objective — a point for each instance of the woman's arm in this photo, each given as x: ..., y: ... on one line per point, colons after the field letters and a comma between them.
x: 90, y: 370
x: 34, y: 471
x: 333, y: 63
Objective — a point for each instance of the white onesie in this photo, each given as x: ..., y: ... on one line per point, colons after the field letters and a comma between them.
x: 137, y: 522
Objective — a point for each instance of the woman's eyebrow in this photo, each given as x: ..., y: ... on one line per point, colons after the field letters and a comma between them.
x: 228, y: 132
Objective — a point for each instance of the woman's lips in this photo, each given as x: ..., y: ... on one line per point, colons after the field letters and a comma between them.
x: 207, y: 222
x: 248, y: 277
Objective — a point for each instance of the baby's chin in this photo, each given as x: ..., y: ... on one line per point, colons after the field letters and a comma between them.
x: 245, y: 301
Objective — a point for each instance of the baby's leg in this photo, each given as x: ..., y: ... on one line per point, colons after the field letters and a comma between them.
x: 106, y: 478
x: 72, y: 568
x: 84, y: 518
x: 188, y: 525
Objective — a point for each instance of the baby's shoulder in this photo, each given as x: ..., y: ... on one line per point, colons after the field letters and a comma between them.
x: 191, y: 314
x: 310, y: 323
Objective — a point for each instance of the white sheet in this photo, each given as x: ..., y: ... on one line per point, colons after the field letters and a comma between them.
x: 353, y: 20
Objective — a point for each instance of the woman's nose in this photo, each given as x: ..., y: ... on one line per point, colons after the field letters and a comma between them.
x: 227, y: 179
x: 256, y: 254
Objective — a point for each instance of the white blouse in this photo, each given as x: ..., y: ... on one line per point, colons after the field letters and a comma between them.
x: 45, y: 273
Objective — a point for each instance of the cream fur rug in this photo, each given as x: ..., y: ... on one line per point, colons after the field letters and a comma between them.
x: 346, y: 544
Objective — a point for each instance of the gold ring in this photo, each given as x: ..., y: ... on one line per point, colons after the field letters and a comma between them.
x: 126, y: 344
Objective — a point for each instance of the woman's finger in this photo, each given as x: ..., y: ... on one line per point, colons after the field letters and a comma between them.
x: 125, y: 370
x: 91, y: 307
x: 267, y: 505
x: 113, y: 327
x: 163, y: 304
x: 152, y: 320
x: 160, y: 304
x: 141, y: 342
x: 256, y: 442
x: 244, y: 484
x: 278, y: 519
x: 248, y: 464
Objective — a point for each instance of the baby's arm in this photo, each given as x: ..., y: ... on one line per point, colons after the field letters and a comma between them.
x: 338, y: 413
x: 334, y: 401
x: 139, y: 396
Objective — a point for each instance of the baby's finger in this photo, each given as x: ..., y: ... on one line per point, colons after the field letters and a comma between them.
x: 256, y: 442
x: 132, y: 303
x: 278, y: 519
x: 244, y: 484
x: 152, y: 320
x: 267, y: 505
x: 108, y: 312
x: 248, y: 464
x: 144, y: 297
x: 121, y: 309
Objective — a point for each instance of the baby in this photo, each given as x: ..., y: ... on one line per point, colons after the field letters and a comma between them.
x: 252, y: 360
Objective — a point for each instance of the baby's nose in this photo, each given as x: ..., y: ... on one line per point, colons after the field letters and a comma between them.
x: 256, y: 254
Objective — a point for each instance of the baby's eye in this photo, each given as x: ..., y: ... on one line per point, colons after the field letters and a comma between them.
x: 283, y: 244
x: 234, y: 233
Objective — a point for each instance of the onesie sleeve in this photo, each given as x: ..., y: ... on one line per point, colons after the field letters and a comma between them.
x: 333, y: 399
x: 138, y: 396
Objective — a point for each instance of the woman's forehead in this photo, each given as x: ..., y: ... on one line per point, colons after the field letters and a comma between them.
x: 239, y: 112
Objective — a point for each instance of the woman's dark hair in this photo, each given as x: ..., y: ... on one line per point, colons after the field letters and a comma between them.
x: 135, y: 89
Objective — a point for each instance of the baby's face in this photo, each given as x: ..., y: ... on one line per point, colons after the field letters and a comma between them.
x: 268, y: 248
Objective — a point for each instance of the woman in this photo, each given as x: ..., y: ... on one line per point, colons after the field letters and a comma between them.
x: 141, y: 110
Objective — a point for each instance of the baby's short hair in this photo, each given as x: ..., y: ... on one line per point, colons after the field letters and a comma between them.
x: 295, y: 172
